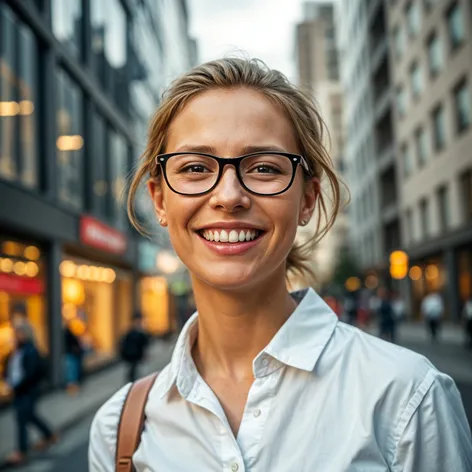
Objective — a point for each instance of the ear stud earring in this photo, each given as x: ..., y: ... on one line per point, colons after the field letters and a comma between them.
x: 304, y: 222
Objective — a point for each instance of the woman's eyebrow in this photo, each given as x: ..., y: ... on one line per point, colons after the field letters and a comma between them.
x: 251, y: 149
x: 211, y: 150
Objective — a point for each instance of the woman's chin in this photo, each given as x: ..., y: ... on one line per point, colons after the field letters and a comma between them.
x: 226, y: 276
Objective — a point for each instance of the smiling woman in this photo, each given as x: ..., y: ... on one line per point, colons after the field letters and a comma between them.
x: 234, y: 164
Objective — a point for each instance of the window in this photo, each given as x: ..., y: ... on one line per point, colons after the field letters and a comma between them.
x: 413, y: 18
x: 407, y: 160
x: 67, y: 23
x: 108, y: 41
x: 439, y: 128
x: 443, y: 207
x: 18, y: 101
x: 455, y: 23
x: 462, y: 106
x: 466, y: 188
x: 416, y: 82
x: 409, y: 226
x: 401, y: 101
x: 421, y: 144
x: 69, y: 143
x: 428, y: 4
x: 399, y: 41
x: 435, y: 55
x: 118, y: 171
x: 424, y: 209
x: 100, y: 162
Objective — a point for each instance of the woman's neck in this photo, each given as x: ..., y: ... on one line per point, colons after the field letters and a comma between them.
x: 234, y: 327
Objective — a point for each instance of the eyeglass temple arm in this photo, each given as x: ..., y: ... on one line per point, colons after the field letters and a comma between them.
x: 305, y: 165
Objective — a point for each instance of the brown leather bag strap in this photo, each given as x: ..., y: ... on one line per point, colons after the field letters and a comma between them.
x: 131, y: 423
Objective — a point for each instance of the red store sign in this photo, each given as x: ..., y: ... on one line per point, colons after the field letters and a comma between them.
x: 97, y: 234
x: 14, y: 284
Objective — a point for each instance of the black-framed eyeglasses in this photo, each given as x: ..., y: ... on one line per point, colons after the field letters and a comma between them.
x: 261, y: 173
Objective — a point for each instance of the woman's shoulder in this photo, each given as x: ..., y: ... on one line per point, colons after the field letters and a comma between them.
x: 387, y: 363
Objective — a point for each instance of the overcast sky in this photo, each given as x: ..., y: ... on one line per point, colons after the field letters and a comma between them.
x: 262, y: 28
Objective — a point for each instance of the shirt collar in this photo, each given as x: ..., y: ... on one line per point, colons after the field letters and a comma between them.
x: 298, y: 343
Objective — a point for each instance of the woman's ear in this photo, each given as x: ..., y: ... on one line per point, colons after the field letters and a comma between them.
x: 310, y: 196
x: 155, y: 191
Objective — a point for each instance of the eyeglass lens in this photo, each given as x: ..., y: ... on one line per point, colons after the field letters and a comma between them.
x: 262, y: 173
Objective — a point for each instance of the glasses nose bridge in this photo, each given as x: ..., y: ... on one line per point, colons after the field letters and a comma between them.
x: 234, y: 163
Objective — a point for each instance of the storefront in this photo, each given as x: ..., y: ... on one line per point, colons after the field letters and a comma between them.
x: 464, y: 266
x: 22, y: 293
x: 97, y: 295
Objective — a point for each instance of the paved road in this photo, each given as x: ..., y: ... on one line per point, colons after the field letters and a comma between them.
x: 70, y: 454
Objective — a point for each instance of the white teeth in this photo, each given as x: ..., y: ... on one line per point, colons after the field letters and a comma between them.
x: 223, y: 236
x: 233, y: 236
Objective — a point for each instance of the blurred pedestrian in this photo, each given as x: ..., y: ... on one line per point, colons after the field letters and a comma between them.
x: 398, y: 305
x: 25, y: 371
x: 350, y: 308
x: 467, y: 320
x: 432, y: 309
x: 73, y: 360
x: 133, y: 347
x: 386, y: 315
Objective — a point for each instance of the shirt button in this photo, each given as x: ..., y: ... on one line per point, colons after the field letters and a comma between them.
x: 265, y: 362
x: 257, y: 413
x: 235, y: 467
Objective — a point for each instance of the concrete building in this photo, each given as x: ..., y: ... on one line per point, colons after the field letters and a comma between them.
x: 318, y: 73
x: 374, y: 228
x: 431, y: 51
x: 78, y: 82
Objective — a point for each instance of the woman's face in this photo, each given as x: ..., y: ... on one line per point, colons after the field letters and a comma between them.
x: 228, y: 123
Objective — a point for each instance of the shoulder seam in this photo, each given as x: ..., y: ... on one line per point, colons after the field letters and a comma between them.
x: 410, y: 410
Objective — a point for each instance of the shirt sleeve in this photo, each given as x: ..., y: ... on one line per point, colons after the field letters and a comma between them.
x: 434, y: 433
x: 103, y: 433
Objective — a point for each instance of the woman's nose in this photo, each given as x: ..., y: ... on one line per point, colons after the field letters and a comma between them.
x: 229, y: 194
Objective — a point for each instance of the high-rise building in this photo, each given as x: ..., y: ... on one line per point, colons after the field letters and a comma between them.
x: 431, y: 51
x: 318, y: 73
x: 369, y: 146
x: 79, y: 79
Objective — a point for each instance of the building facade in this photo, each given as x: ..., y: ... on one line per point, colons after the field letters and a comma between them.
x: 431, y: 52
x: 79, y: 80
x: 318, y: 73
x: 370, y: 150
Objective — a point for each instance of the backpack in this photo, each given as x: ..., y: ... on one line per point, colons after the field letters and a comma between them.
x: 131, y: 424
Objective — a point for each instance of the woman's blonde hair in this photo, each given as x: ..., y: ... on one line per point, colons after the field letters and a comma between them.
x: 308, y: 125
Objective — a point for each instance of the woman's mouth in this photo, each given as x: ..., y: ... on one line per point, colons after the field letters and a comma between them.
x: 230, y: 236
x: 230, y: 242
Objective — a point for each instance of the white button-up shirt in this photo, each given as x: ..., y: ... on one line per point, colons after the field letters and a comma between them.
x: 326, y: 397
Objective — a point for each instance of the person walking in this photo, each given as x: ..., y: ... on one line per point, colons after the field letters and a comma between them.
x: 262, y: 378
x: 432, y: 309
x: 467, y: 320
x: 133, y: 347
x: 73, y: 358
x: 25, y: 370
x: 386, y: 315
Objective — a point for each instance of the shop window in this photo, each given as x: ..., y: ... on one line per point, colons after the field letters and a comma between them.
x: 97, y: 307
x: 67, y: 24
x: 70, y: 141
x: 462, y: 107
x: 22, y: 295
x: 18, y: 101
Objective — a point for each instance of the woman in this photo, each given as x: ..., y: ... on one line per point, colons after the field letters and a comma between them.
x: 263, y: 379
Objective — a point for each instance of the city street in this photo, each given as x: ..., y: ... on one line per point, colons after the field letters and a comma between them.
x: 449, y: 355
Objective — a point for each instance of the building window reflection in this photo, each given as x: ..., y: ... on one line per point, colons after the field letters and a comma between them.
x: 118, y: 169
x: 67, y: 23
x: 100, y: 184
x: 69, y: 143
x: 18, y: 101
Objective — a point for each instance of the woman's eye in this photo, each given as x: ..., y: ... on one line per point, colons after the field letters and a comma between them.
x: 265, y: 169
x: 195, y: 169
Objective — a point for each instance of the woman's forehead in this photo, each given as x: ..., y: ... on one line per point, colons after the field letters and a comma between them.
x: 232, y: 118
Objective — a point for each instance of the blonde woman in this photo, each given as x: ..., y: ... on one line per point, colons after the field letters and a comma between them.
x: 262, y: 379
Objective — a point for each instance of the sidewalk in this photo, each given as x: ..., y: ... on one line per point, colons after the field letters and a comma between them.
x: 62, y: 410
